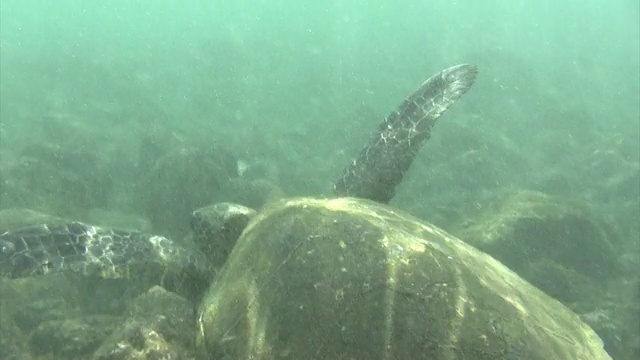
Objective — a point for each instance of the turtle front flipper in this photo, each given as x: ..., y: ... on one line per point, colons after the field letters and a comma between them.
x: 381, y: 165
x: 97, y: 252
x: 43, y: 248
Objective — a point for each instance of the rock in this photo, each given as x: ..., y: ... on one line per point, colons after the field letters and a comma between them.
x: 15, y: 218
x: 521, y: 228
x: 13, y: 344
x: 117, y: 220
x: 32, y: 301
x: 160, y: 325
x: 254, y: 193
x: 71, y: 338
x: 71, y: 172
x: 180, y: 181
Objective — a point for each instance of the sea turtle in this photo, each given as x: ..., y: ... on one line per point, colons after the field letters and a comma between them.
x: 342, y: 278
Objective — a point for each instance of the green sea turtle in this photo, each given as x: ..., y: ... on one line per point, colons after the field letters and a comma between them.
x: 343, y: 278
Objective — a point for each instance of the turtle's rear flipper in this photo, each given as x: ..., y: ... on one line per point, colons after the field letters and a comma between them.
x: 379, y: 168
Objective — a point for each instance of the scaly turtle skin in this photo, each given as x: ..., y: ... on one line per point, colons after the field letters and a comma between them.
x: 381, y: 165
x: 105, y: 253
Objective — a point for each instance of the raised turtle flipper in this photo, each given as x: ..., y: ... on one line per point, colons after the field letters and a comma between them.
x: 381, y: 165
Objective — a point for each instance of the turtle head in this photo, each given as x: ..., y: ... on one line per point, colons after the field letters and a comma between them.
x: 7, y: 248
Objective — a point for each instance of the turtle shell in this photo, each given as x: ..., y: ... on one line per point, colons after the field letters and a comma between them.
x: 352, y: 279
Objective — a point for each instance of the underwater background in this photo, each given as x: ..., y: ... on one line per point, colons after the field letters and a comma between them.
x: 134, y: 114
